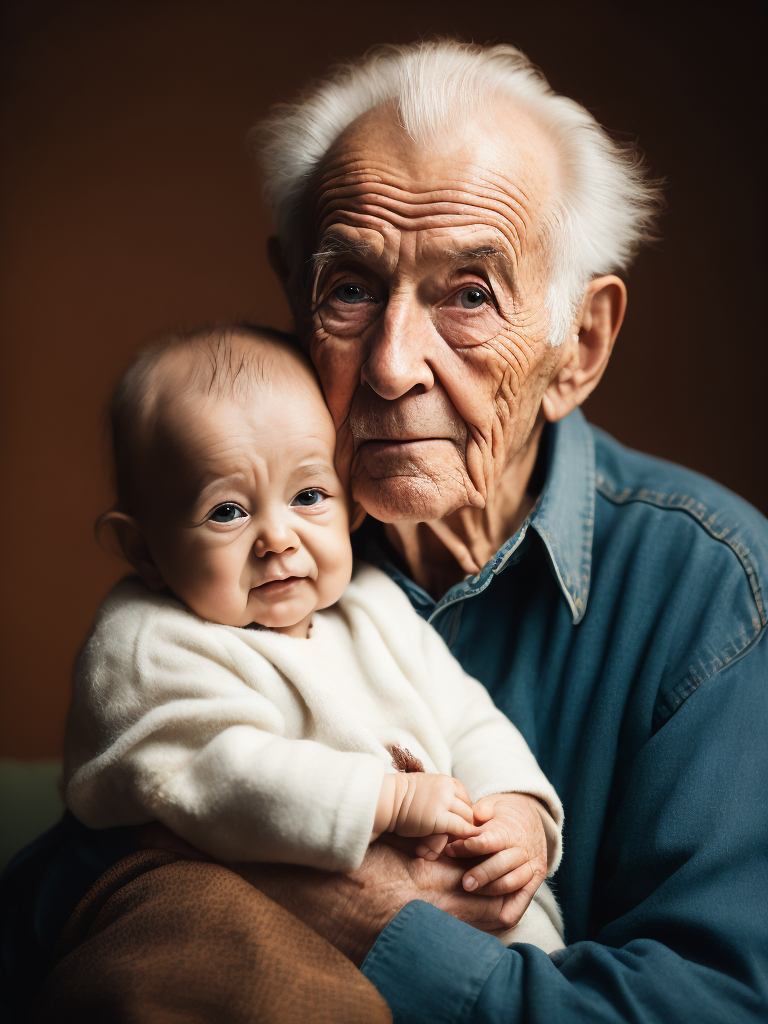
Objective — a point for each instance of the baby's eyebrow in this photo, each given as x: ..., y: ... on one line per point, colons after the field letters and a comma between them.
x: 315, y: 469
x: 214, y: 481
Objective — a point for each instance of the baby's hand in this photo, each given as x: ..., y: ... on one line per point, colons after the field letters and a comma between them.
x: 422, y: 804
x: 512, y: 841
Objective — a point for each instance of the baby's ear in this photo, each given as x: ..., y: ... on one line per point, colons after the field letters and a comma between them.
x: 120, y: 535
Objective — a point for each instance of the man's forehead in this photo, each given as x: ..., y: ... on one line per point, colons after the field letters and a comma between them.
x: 495, y: 172
x: 458, y: 245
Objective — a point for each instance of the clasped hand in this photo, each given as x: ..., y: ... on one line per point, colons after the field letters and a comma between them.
x: 437, y: 809
x: 351, y: 910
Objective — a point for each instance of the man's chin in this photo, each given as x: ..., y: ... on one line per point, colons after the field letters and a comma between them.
x: 406, y: 499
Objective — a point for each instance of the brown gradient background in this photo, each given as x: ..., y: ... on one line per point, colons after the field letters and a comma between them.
x: 129, y: 207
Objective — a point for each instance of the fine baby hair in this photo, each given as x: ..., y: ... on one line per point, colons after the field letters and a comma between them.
x: 217, y: 360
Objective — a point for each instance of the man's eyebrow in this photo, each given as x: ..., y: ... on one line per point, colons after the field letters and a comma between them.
x: 484, y: 253
x: 476, y: 254
x: 335, y: 247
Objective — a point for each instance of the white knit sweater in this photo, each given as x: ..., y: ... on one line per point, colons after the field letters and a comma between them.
x: 257, y: 746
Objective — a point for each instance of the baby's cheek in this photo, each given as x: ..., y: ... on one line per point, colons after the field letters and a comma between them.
x: 335, y: 570
x: 213, y: 585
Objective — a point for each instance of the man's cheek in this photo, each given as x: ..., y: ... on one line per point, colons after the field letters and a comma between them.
x: 338, y: 368
x: 473, y: 387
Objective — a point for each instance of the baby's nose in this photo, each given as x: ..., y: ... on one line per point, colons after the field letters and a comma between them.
x: 275, y: 537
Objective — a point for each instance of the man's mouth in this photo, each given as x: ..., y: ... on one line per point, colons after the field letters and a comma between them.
x: 383, y: 445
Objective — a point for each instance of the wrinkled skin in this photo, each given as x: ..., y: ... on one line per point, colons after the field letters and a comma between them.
x: 428, y: 327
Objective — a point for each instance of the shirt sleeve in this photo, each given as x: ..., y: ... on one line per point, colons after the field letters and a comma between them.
x: 163, y: 728
x: 489, y: 754
x: 681, y: 898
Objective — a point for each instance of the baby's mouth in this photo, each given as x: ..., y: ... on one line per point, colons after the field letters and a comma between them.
x: 275, y: 587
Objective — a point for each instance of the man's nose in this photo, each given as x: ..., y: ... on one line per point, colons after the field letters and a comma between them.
x: 275, y: 535
x: 398, y: 356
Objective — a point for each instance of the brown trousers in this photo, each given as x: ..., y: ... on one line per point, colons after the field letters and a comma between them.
x: 164, y: 940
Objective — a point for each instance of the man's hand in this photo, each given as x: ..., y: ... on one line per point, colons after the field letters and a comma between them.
x: 513, y: 845
x: 350, y: 911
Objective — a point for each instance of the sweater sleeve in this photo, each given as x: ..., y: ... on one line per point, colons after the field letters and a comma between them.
x: 162, y: 727
x: 489, y: 753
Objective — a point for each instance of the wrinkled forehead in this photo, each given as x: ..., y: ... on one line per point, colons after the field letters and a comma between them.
x: 494, y: 172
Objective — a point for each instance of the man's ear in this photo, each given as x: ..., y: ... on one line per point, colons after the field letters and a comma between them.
x: 587, y: 348
x: 276, y: 260
x: 119, y: 534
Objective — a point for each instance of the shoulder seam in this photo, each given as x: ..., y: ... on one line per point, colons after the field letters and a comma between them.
x: 672, y: 701
x: 699, y: 512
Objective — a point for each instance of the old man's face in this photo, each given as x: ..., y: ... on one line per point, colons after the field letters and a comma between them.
x: 428, y: 326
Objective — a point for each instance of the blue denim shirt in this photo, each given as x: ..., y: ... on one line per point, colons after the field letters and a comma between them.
x: 621, y: 629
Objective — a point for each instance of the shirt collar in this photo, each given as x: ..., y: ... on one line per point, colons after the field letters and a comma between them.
x: 563, y: 517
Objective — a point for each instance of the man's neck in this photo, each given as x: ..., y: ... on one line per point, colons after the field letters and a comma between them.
x: 437, y: 554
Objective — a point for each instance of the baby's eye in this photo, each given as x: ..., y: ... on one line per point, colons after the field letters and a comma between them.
x: 227, y: 513
x: 312, y: 496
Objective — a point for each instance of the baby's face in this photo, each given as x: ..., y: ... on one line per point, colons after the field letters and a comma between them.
x: 246, y: 519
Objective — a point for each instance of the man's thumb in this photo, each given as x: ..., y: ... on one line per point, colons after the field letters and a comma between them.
x: 483, y: 810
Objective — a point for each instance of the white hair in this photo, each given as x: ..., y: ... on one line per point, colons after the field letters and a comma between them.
x: 601, y: 211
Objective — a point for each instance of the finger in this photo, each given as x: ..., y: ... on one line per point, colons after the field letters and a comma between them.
x: 458, y: 826
x: 483, y: 809
x: 508, y: 863
x: 456, y: 849
x: 516, y: 903
x: 431, y: 847
x: 464, y: 811
x: 461, y: 792
x: 484, y: 843
x: 511, y: 881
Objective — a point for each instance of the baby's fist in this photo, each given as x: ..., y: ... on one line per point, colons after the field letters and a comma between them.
x: 422, y: 804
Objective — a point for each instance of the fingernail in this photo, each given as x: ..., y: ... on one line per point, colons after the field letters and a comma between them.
x: 470, y: 882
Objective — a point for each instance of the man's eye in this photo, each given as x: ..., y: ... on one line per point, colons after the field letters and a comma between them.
x: 227, y: 513
x: 312, y: 496
x: 351, y: 293
x: 472, y: 298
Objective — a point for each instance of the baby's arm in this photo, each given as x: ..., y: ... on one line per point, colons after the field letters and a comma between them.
x: 164, y: 727
x: 421, y: 804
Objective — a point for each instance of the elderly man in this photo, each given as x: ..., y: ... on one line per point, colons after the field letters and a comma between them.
x: 449, y: 232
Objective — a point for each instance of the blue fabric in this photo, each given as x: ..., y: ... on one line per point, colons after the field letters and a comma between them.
x: 39, y: 889
x: 622, y: 630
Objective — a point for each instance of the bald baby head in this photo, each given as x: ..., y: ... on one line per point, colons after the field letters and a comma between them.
x: 228, y: 495
x: 225, y: 363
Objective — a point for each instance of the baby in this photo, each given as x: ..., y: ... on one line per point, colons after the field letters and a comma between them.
x: 249, y: 688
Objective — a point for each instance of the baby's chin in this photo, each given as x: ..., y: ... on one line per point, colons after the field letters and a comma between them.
x: 243, y: 614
